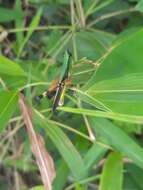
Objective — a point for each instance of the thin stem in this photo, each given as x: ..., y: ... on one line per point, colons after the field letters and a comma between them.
x: 72, y: 130
x: 3, y: 84
x: 64, y: 126
x: 80, y: 13
x: 89, y: 179
x: 15, y: 30
x: 110, y: 15
x: 90, y: 132
x: 73, y: 31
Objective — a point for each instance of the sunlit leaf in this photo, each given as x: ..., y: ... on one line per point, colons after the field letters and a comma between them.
x: 10, y: 67
x: 8, y: 103
x: 112, y: 174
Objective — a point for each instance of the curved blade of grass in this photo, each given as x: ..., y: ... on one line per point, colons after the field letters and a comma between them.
x: 110, y: 115
x: 65, y: 147
x: 8, y: 103
x: 10, y: 67
x: 118, y: 139
x: 112, y: 175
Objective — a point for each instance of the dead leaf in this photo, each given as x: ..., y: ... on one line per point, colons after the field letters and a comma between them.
x: 43, y: 159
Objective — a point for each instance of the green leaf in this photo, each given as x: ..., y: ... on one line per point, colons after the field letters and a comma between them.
x: 62, y: 172
x: 82, y: 70
x: 19, y: 22
x: 10, y: 67
x: 79, y: 187
x: 7, y: 106
x: 102, y: 114
x: 94, y: 155
x: 65, y: 147
x: 123, y: 58
x: 93, y: 44
x: 32, y: 27
x: 139, y: 6
x: 7, y: 15
x: 39, y: 187
x: 123, y: 94
x: 135, y: 174
x: 94, y: 7
x: 112, y: 174
x: 118, y: 139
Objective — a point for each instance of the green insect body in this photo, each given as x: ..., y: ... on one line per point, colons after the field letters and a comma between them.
x: 58, y: 91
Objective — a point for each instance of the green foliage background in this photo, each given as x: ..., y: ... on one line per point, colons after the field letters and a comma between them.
x: 105, y: 38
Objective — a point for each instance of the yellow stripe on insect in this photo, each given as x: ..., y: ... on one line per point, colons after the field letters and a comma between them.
x: 61, y: 101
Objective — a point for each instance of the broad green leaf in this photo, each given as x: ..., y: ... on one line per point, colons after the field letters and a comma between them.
x: 7, y: 15
x: 118, y: 139
x: 112, y: 174
x: 123, y: 94
x: 123, y: 58
x: 102, y: 114
x: 13, y: 82
x: 8, y: 103
x: 85, y: 97
x: 93, y: 43
x: 65, y: 147
x: 10, y: 67
x: 94, y: 155
x: 32, y: 27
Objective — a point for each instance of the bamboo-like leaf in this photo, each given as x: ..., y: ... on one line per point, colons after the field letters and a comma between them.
x: 65, y: 147
x: 43, y: 159
x: 126, y: 91
x: 7, y: 15
x: 118, y: 139
x: 8, y: 103
x: 94, y: 154
x: 10, y: 67
x: 112, y: 174
x: 110, y: 115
